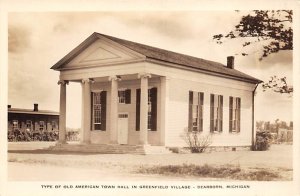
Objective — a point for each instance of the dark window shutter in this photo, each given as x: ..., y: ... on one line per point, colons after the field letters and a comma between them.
x: 137, y: 116
x: 200, y: 111
x: 230, y: 113
x: 201, y: 98
x: 127, y: 96
x: 221, y: 113
x: 119, y: 94
x: 153, y: 95
x: 92, y: 111
x: 190, y: 125
x: 103, y: 110
x: 239, y: 114
x: 212, y: 112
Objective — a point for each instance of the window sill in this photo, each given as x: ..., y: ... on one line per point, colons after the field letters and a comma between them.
x: 234, y: 133
x: 99, y: 130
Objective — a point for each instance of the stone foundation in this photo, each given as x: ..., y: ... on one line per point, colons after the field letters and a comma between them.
x: 184, y: 150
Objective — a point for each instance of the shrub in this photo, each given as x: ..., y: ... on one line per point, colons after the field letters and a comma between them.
x: 289, y: 136
x: 196, y: 141
x: 263, y: 140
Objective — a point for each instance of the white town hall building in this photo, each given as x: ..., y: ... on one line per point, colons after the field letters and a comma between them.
x: 141, y: 95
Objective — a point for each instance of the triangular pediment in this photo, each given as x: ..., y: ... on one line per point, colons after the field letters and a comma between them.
x: 102, y: 52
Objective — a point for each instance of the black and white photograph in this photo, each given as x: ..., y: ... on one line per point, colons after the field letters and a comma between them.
x: 154, y: 100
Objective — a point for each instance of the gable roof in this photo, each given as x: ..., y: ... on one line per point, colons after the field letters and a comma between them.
x: 30, y: 111
x: 160, y: 55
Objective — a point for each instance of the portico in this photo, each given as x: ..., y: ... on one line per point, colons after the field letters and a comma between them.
x: 109, y: 130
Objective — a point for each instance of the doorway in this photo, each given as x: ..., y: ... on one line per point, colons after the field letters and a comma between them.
x: 123, y: 128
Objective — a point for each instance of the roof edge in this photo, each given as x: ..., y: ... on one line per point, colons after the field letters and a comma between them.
x: 253, y: 81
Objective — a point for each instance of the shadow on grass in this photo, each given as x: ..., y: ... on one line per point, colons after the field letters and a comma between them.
x: 224, y: 172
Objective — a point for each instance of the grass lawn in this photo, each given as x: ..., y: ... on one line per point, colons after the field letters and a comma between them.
x: 275, y: 164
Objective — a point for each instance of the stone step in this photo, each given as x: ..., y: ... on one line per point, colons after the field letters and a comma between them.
x: 103, y: 149
x: 109, y: 149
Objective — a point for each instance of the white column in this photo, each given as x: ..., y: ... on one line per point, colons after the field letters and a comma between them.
x: 114, y: 109
x: 86, y: 111
x: 144, y: 109
x: 164, y: 99
x: 62, y: 111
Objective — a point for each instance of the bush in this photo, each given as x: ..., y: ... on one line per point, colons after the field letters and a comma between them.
x: 263, y: 140
x: 196, y: 141
x: 17, y: 135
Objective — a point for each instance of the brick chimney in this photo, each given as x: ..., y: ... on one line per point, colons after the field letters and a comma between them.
x: 230, y: 62
x: 35, y: 107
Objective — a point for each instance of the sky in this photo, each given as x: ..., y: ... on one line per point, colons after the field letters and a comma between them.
x: 37, y: 40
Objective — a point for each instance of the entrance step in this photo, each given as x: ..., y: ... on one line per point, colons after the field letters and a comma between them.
x: 109, y: 149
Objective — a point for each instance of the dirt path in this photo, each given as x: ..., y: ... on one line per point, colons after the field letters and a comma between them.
x: 38, y: 172
x: 24, y: 166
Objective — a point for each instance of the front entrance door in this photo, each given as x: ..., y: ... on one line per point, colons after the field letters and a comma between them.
x: 123, y: 128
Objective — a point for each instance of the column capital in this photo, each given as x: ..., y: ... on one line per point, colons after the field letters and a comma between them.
x: 63, y: 82
x: 87, y: 80
x: 116, y: 78
x: 144, y: 75
x: 165, y: 78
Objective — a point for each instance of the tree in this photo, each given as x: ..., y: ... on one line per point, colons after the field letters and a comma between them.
x: 278, y: 85
x: 272, y: 28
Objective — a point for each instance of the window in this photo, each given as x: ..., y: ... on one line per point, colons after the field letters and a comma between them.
x: 99, y: 110
x: 152, y: 109
x: 53, y: 124
x: 15, y: 124
x: 149, y: 109
x: 121, y: 95
x: 216, y: 113
x: 28, y: 124
x: 234, y: 114
x: 124, y: 96
x: 196, y: 111
x: 42, y: 125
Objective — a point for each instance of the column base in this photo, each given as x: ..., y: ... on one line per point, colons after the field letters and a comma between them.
x: 113, y: 142
x: 144, y: 144
x: 85, y: 142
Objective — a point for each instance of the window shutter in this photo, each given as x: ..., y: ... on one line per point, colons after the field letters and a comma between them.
x: 190, y: 125
x: 200, y: 111
x: 127, y: 96
x: 212, y: 103
x: 153, y: 95
x: 221, y: 113
x: 230, y: 113
x: 92, y: 111
x: 103, y: 110
x: 36, y: 126
x: 239, y: 115
x: 137, y: 112
x: 201, y: 98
